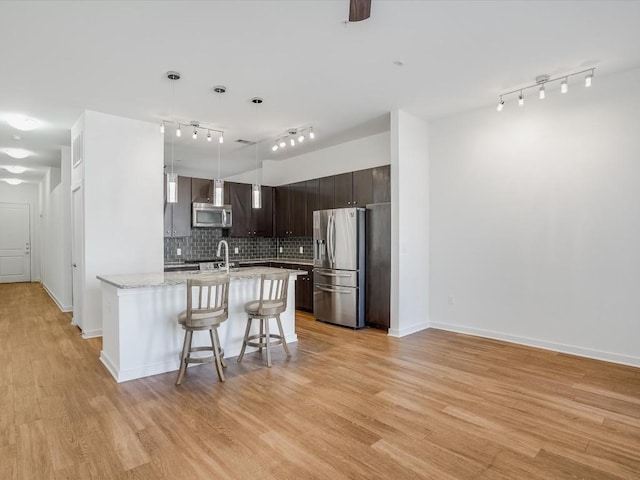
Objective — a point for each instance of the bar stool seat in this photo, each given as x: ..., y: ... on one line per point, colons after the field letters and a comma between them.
x: 207, y: 308
x: 272, y: 302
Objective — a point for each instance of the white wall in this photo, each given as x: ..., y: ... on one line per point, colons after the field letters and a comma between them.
x: 56, y: 233
x: 123, y: 223
x: 360, y: 154
x: 409, y: 224
x: 535, y: 221
x: 27, y: 193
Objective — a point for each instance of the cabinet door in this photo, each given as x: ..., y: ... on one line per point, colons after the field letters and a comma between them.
x: 240, y: 201
x: 201, y: 190
x: 381, y: 181
x: 297, y: 209
x: 362, y: 187
x: 263, y: 217
x: 325, y: 193
x: 182, y: 209
x: 282, y: 211
x: 311, y: 189
x: 343, y: 190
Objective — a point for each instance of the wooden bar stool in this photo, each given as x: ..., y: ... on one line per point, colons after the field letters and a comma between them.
x: 272, y: 302
x: 207, y: 308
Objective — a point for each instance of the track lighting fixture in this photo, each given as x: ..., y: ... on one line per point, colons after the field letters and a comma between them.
x: 293, y: 136
x: 162, y: 127
x: 196, y: 129
x: 541, y: 83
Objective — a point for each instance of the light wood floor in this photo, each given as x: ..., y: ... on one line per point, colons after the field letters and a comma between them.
x: 347, y: 404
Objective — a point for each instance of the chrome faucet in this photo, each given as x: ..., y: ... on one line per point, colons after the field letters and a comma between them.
x: 226, y: 253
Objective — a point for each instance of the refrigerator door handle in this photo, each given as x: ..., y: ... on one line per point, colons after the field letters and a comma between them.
x: 339, y: 275
x: 330, y: 240
x: 332, y: 290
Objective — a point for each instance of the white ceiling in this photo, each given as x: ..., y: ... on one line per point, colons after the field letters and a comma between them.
x: 60, y: 58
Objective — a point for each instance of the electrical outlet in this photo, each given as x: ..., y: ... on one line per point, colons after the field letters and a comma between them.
x: 451, y: 299
x: 235, y: 250
x: 280, y: 249
x: 301, y: 249
x: 178, y: 251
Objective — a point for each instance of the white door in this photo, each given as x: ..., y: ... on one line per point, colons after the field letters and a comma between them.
x: 15, y: 245
x: 77, y: 255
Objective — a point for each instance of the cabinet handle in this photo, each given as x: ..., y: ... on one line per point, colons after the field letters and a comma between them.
x: 174, y: 232
x: 354, y: 202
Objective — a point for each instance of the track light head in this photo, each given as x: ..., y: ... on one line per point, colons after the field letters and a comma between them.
x: 564, y: 86
x: 301, y: 138
x: 541, y: 94
x: 311, y: 134
x: 208, y: 135
x: 588, y: 78
x: 275, y: 147
x: 520, y: 99
x: 221, y: 138
x: 500, y: 105
x: 195, y: 134
x: 178, y: 132
x: 162, y: 127
x: 292, y: 142
x: 282, y: 143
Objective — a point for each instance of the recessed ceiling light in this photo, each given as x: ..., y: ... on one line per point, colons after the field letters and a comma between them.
x: 15, y: 169
x: 17, y: 152
x: 22, y: 122
x: 13, y: 181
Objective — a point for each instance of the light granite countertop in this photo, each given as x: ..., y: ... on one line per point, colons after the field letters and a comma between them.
x: 162, y: 279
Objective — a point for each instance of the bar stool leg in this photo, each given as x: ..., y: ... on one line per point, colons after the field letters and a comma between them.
x: 244, y: 341
x: 267, y: 341
x: 261, y: 335
x: 216, y: 354
x: 284, y: 341
x: 222, y: 360
x: 186, y: 347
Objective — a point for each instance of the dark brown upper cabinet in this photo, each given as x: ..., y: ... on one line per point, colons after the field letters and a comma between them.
x: 291, y: 210
x: 248, y: 221
x: 312, y: 188
x: 201, y: 190
x: 326, y: 193
x: 362, y: 191
x: 381, y: 184
x: 343, y: 190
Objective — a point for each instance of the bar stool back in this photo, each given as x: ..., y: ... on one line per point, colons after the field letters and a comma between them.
x: 207, y: 308
x: 272, y: 302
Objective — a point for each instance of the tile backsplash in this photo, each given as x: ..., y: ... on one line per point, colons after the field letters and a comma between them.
x: 203, y: 242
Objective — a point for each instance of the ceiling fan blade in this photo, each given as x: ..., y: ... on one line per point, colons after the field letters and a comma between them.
x: 359, y: 10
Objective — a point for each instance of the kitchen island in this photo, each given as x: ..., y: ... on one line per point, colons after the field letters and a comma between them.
x: 140, y: 331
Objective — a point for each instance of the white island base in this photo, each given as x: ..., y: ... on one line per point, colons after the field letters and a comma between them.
x: 140, y: 331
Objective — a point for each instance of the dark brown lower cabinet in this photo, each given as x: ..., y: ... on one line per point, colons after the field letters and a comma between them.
x: 304, y: 285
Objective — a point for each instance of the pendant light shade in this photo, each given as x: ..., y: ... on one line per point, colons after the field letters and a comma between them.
x: 256, y: 196
x: 172, y: 187
x: 218, y: 193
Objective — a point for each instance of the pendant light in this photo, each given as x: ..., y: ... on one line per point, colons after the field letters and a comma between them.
x: 256, y: 189
x: 218, y: 186
x: 172, y: 178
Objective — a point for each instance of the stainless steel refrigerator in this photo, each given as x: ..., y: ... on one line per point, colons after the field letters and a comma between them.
x: 339, y: 266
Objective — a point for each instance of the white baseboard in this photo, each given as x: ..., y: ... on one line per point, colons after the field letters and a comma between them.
x: 531, y: 342
x: 91, y: 333
x: 124, y: 375
x: 63, y: 308
x: 403, y: 332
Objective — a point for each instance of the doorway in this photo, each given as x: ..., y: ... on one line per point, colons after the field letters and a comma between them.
x: 15, y: 243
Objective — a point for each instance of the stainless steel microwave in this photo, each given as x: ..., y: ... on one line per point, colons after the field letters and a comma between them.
x: 208, y: 215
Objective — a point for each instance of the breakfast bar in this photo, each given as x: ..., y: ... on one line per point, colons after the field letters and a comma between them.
x: 140, y: 331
